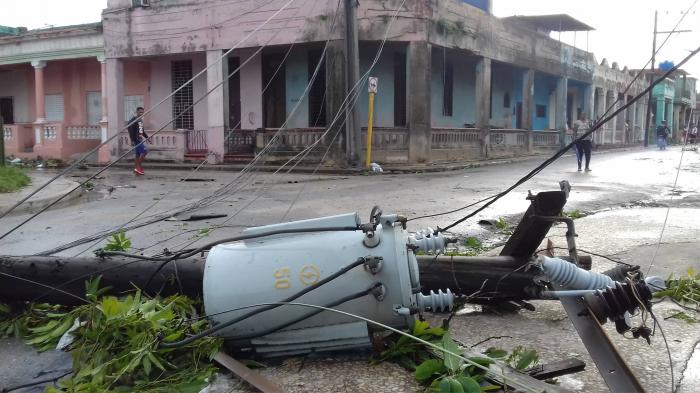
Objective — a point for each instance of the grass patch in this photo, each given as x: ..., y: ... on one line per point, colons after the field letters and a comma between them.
x: 12, y: 179
x: 575, y: 214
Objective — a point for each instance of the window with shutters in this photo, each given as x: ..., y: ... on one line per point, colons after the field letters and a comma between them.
x: 181, y: 72
x: 53, y: 104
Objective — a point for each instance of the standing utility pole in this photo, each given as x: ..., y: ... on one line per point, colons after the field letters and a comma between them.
x: 352, y: 59
x: 651, y: 80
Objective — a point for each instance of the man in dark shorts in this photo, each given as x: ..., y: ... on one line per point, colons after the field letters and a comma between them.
x: 138, y: 137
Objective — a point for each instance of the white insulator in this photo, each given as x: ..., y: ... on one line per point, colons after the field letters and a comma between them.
x: 571, y: 276
x: 436, y: 302
x: 427, y: 240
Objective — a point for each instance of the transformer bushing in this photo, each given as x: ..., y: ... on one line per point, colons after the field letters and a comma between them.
x: 428, y: 240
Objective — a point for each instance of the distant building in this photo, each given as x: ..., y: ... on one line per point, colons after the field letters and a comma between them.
x: 673, y: 100
x: 455, y: 82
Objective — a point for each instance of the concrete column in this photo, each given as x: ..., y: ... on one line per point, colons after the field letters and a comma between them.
x: 419, y: 118
x: 215, y: 107
x: 251, y: 86
x: 632, y: 113
x: 528, y: 108
x: 560, y: 114
x: 335, y: 94
x: 115, y: 108
x: 588, y: 101
x: 677, y: 123
x: 599, y: 110
x: 483, y: 102
x: 40, y: 115
x: 612, y: 124
x: 103, y: 93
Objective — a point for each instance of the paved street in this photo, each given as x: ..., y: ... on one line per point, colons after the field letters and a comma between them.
x: 626, y: 194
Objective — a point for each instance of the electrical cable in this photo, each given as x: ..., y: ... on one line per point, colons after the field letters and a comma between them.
x: 668, y: 208
x: 335, y: 303
x: 440, y: 349
x: 207, y: 332
x: 54, y: 202
x: 96, y: 148
x: 45, y: 286
x: 354, y: 93
x: 629, y: 85
x: 668, y: 350
x: 561, y: 152
x: 227, y: 137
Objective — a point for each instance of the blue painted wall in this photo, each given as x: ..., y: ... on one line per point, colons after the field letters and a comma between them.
x: 384, y: 70
x: 483, y: 4
x: 544, y: 86
x: 296, y: 79
x: 463, y: 90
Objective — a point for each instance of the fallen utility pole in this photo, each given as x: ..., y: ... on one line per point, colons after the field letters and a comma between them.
x: 68, y: 274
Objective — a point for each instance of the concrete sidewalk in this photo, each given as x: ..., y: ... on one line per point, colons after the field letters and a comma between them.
x: 44, y: 197
x: 333, y: 170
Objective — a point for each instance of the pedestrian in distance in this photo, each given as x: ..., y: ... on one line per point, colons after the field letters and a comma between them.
x: 581, y: 127
x: 662, y: 135
x: 693, y: 134
x: 138, y: 137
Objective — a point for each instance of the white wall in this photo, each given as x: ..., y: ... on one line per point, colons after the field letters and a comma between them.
x: 14, y: 84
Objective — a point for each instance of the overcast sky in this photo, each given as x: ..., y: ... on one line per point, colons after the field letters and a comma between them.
x: 623, y: 27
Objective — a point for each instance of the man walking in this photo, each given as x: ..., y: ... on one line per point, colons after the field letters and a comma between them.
x: 585, y: 145
x: 662, y: 135
x: 138, y: 137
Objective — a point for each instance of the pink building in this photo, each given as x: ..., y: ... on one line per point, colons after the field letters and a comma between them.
x: 52, y: 90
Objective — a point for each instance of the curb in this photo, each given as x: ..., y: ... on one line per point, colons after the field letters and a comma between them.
x: 41, y: 200
x: 358, y: 171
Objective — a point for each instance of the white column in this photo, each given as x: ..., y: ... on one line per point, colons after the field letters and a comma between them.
x: 215, y: 107
x: 39, y: 94
x: 115, y: 107
x: 103, y: 80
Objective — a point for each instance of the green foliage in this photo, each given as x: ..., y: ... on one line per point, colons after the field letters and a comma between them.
x: 88, y: 186
x: 203, y: 232
x: 575, y: 214
x: 501, y: 223
x: 680, y: 315
x: 115, y: 347
x: 118, y: 242
x: 522, y: 358
x: 406, y: 351
x: 473, y: 243
x: 684, y: 290
x: 12, y: 179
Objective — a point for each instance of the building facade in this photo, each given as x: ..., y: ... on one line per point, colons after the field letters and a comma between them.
x: 52, y: 91
x: 455, y: 82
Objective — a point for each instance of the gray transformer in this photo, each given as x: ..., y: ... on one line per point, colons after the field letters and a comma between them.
x: 272, y: 268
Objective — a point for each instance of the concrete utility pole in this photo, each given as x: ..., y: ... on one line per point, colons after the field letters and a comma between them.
x: 651, y: 80
x: 352, y: 58
x: 651, y: 77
